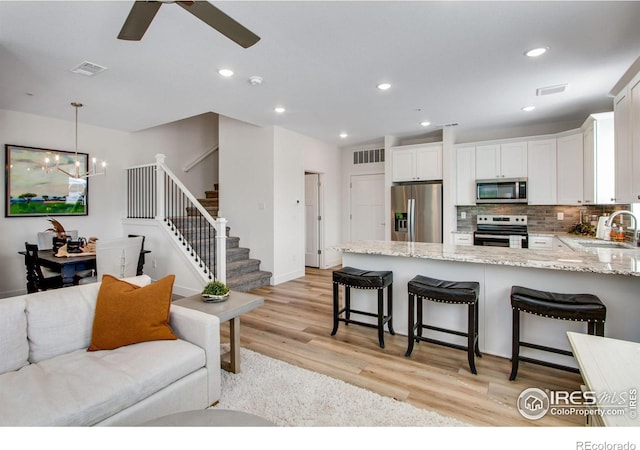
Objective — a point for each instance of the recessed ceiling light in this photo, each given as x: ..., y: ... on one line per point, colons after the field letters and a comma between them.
x: 537, y: 52
x: 425, y: 123
x: 279, y: 109
x: 384, y: 86
x: 226, y: 72
x: 344, y: 135
x: 528, y: 108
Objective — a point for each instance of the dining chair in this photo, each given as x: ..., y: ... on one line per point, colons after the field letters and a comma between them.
x: 118, y: 257
x: 141, y: 257
x: 39, y: 278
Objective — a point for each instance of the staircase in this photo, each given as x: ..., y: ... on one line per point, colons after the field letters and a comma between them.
x: 243, y: 273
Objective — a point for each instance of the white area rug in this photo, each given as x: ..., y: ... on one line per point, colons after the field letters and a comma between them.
x: 291, y: 396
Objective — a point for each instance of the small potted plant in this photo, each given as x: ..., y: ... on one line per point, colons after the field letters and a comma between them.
x: 214, y: 292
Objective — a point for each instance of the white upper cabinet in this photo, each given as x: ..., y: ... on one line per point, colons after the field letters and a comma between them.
x: 570, y: 169
x: 623, y: 164
x: 541, y: 167
x: 501, y: 160
x: 420, y: 162
x: 634, y: 92
x: 626, y: 107
x: 465, y: 176
x: 598, y: 184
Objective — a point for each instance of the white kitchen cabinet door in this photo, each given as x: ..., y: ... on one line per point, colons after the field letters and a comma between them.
x: 421, y: 162
x: 541, y: 165
x: 463, y: 239
x: 487, y: 161
x: 403, y: 165
x: 624, y: 164
x: 634, y: 118
x: 513, y: 160
x: 541, y: 242
x: 570, y: 170
x: 501, y: 160
x: 465, y: 176
x: 429, y: 163
x: 588, y: 165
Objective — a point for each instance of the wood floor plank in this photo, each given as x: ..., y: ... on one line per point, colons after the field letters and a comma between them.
x: 295, y: 323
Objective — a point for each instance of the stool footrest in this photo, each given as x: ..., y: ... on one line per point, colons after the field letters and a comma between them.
x: 545, y: 348
x: 548, y: 364
x: 364, y: 324
x: 436, y: 341
x: 443, y: 330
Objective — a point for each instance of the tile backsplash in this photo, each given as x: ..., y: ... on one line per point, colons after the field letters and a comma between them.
x: 541, y: 219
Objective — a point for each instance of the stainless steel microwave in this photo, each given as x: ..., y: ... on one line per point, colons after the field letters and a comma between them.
x: 501, y: 190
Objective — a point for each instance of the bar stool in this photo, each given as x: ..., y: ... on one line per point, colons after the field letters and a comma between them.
x: 577, y: 307
x: 351, y: 277
x: 441, y: 291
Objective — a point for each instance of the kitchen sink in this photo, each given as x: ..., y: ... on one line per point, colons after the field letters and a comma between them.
x: 605, y: 244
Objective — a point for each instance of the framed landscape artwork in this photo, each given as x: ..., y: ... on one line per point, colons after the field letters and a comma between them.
x: 35, y: 184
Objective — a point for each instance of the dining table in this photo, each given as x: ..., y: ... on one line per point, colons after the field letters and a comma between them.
x: 69, y: 265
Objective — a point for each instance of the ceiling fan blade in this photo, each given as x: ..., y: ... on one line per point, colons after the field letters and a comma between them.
x: 215, y: 18
x: 139, y: 19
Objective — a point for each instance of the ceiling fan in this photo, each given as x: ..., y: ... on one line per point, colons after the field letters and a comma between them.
x: 143, y: 12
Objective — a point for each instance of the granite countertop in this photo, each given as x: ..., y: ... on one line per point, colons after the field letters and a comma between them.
x: 577, y: 258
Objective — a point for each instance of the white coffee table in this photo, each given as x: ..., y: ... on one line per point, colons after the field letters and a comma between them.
x: 209, y: 418
x: 229, y: 310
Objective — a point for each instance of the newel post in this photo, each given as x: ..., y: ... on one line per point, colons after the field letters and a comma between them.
x: 221, y: 249
x: 160, y: 175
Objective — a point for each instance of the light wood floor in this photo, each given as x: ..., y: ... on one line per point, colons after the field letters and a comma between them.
x: 295, y: 323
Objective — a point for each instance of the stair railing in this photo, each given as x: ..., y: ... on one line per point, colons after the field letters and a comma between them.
x: 154, y: 192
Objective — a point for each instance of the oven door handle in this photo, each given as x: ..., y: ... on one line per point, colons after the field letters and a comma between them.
x: 494, y: 236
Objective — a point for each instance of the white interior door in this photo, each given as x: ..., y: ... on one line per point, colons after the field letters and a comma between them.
x: 312, y: 219
x: 367, y: 207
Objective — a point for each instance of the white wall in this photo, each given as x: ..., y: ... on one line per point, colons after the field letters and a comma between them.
x: 246, y: 186
x: 262, y: 193
x: 183, y: 142
x: 350, y: 169
x: 106, y: 193
x: 295, y: 154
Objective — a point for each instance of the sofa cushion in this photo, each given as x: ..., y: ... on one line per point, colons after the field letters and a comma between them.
x: 60, y: 320
x: 128, y: 314
x: 14, y: 346
x: 83, y: 388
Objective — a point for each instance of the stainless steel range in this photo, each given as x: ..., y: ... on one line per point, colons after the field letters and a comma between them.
x: 501, y: 231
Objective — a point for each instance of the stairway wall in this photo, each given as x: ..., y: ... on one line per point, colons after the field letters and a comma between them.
x: 262, y: 192
x: 246, y: 186
x: 166, y: 257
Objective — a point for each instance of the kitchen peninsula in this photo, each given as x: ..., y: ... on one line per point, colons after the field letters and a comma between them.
x: 610, y: 273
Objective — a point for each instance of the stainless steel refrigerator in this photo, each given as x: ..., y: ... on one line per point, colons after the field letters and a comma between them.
x: 416, y: 212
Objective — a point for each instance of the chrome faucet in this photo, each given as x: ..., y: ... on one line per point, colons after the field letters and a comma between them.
x: 635, y: 224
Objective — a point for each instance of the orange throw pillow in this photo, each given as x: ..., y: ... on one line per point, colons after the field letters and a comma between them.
x: 127, y: 314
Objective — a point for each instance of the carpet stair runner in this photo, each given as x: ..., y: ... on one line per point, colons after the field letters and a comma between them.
x: 243, y: 272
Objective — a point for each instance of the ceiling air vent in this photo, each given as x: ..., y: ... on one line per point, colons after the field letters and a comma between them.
x: 551, y: 90
x: 88, y: 69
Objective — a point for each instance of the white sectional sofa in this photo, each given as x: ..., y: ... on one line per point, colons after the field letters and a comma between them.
x: 47, y: 377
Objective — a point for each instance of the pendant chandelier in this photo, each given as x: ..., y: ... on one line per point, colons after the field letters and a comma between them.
x: 76, y: 173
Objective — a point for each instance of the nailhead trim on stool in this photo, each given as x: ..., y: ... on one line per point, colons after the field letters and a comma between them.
x: 575, y: 307
x: 441, y: 291
x: 350, y: 277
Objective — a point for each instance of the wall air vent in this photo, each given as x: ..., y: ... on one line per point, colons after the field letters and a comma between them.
x: 88, y: 69
x: 549, y: 90
x: 368, y: 156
